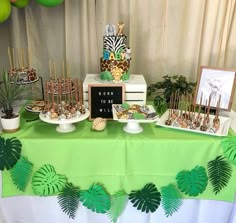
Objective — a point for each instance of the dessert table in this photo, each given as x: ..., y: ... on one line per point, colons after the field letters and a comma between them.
x: 117, y: 161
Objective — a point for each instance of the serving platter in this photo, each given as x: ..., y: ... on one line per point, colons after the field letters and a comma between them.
x: 35, y: 106
x: 222, y: 131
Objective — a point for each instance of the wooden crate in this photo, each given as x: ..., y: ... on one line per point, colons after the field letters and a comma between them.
x: 135, y: 88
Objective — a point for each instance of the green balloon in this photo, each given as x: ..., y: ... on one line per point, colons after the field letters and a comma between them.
x: 20, y: 3
x: 49, y: 3
x: 5, y: 10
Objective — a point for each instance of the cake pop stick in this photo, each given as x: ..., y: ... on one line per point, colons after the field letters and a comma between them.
x: 52, y: 91
x: 60, y: 92
x: 67, y: 70
x: 76, y: 91
x: 22, y: 57
x: 50, y: 68
x: 14, y: 58
x: 54, y: 70
x: 29, y: 58
x: 63, y: 69
x: 81, y: 92
x: 10, y: 58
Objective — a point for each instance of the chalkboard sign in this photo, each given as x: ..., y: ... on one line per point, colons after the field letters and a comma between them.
x: 101, y: 98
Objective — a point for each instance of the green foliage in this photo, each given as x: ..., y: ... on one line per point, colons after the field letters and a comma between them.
x: 96, y: 199
x: 125, y: 106
x: 147, y: 199
x: 229, y: 147
x: 21, y: 173
x: 125, y: 76
x: 171, y: 199
x: 137, y: 115
x: 162, y: 90
x: 219, y: 172
x: 10, y: 93
x: 46, y: 182
x: 68, y: 199
x: 118, y: 203
x: 192, y: 182
x: 106, y: 75
x: 10, y: 152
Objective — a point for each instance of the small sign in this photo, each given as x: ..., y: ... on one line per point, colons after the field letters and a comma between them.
x: 101, y: 98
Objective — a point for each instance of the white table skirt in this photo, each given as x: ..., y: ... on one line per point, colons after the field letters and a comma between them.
x: 33, y: 209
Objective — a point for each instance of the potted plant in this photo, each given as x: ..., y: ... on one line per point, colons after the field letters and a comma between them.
x: 161, y: 91
x: 10, y: 93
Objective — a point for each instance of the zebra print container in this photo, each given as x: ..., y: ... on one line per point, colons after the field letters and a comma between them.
x: 115, y: 44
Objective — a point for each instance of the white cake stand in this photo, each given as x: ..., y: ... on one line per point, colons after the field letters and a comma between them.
x: 67, y: 124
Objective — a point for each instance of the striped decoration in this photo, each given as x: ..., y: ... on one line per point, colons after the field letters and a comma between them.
x: 114, y: 43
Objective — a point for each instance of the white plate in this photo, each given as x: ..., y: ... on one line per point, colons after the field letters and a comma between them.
x: 223, y: 130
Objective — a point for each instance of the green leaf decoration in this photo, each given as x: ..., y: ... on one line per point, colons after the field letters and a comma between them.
x: 219, y: 172
x: 46, y: 182
x: 68, y: 199
x: 137, y: 115
x: 125, y: 76
x: 106, y: 75
x: 118, y: 203
x: 125, y: 106
x: 147, y: 199
x: 96, y: 199
x: 21, y: 173
x: 229, y: 147
x: 10, y: 150
x: 192, y: 182
x: 171, y: 199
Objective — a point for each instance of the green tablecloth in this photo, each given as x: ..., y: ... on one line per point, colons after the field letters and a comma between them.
x: 117, y: 159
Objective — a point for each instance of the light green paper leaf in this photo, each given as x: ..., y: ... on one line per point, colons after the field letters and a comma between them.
x: 125, y: 106
x: 46, y: 182
x: 171, y: 199
x: 137, y: 115
x: 118, y: 203
x: 10, y: 152
x: 21, y: 173
x: 219, y: 172
x: 192, y: 182
x: 96, y: 199
x: 229, y: 147
x: 68, y: 200
x: 147, y: 199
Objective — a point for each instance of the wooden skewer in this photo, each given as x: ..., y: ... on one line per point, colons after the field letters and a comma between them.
x: 10, y: 58
x: 29, y: 58
x: 14, y: 58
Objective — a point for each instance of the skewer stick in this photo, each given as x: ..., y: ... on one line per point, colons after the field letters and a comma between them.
x: 50, y: 68
x: 10, y: 58
x: 67, y: 70
x: 29, y: 58
x: 81, y: 92
x: 22, y: 57
x: 209, y: 106
x: 54, y: 70
x: 76, y: 91
x: 63, y: 69
x: 14, y: 58
x: 200, y: 105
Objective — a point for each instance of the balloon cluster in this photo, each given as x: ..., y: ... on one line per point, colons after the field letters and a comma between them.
x: 5, y: 6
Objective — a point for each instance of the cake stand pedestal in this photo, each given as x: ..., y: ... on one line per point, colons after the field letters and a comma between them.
x: 133, y: 127
x: 65, y: 128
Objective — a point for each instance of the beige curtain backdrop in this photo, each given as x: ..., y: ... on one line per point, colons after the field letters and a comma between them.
x: 166, y: 36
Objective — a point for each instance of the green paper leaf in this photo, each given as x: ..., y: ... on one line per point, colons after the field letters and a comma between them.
x: 137, y: 115
x: 125, y: 76
x: 46, y: 182
x: 68, y: 200
x: 219, y: 172
x: 171, y: 199
x: 96, y: 199
x: 229, y: 147
x: 118, y: 203
x: 10, y: 150
x: 192, y: 182
x: 125, y: 106
x: 147, y: 199
x: 21, y: 173
x: 106, y: 75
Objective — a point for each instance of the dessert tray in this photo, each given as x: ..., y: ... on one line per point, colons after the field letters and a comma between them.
x: 133, y: 115
x: 35, y: 106
x: 210, y: 130
x: 65, y: 125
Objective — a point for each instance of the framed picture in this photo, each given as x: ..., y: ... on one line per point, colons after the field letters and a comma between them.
x: 216, y: 85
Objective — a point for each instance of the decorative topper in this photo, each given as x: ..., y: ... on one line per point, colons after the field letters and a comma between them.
x: 110, y: 30
x: 21, y: 173
x: 192, y: 182
x: 120, y: 28
x: 46, y: 182
x: 219, y: 171
x: 171, y: 199
x: 147, y: 199
x: 117, y: 73
x: 10, y: 150
x: 96, y: 199
x: 68, y: 199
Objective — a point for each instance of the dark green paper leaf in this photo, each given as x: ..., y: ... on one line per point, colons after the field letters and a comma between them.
x: 118, y: 203
x: 96, y: 199
x: 171, y: 199
x: 192, y: 182
x: 147, y: 199
x: 229, y: 147
x: 10, y: 150
x: 219, y: 172
x: 21, y: 173
x: 46, y: 182
x: 68, y: 199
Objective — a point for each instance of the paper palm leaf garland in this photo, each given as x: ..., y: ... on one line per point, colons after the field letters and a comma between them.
x: 21, y: 173
x: 229, y: 147
x: 171, y: 199
x: 10, y: 152
x: 96, y: 199
x: 118, y: 203
x: 219, y: 172
x: 192, y: 182
x: 68, y: 199
x: 46, y: 181
x: 147, y: 199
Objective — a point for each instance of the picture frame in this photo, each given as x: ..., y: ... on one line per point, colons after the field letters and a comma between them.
x: 216, y: 85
